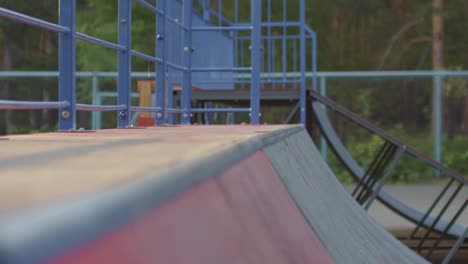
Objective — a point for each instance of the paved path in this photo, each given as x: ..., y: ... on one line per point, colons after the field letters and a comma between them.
x: 417, y: 196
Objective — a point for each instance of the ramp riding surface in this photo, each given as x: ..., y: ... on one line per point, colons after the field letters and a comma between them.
x: 348, y: 232
x: 402, y: 209
x: 193, y: 194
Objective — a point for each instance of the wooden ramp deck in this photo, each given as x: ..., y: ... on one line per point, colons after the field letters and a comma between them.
x: 43, y: 167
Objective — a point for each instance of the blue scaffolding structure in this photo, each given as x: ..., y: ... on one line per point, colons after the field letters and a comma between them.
x: 179, y: 28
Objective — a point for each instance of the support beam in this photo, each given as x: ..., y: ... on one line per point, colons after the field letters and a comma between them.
x: 187, y: 57
x: 438, y: 120
x: 161, y: 67
x: 125, y: 61
x: 256, y: 13
x: 303, y: 61
x: 67, y: 64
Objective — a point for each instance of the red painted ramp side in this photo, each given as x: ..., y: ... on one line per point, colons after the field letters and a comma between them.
x: 243, y: 216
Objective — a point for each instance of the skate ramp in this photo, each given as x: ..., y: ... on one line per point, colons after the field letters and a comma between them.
x: 221, y: 194
x: 346, y: 230
x: 393, y: 203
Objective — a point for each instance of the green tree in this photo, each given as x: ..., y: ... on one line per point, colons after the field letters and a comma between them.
x: 19, y: 52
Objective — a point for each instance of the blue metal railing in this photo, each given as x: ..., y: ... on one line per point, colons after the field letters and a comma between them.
x: 173, y: 56
x: 323, y: 79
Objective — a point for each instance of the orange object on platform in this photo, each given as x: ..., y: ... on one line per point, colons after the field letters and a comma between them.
x: 145, y: 121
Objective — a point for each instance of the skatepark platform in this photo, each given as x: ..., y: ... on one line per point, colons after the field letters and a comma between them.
x: 188, y: 194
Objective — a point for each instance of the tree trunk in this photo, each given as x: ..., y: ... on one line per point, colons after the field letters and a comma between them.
x: 437, y: 35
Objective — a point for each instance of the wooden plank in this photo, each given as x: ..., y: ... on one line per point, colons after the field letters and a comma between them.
x: 43, y: 167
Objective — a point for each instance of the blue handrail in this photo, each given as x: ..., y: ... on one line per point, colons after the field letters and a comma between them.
x: 173, y: 54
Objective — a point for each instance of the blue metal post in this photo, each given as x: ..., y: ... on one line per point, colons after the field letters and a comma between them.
x: 295, y: 58
x: 187, y: 75
x: 170, y: 100
x: 125, y: 61
x: 220, y: 10
x: 302, y: 98
x: 67, y: 64
x: 242, y: 58
x: 236, y: 34
x: 256, y: 13
x: 95, y: 87
x: 273, y: 60
x: 206, y: 11
x: 161, y: 67
x: 314, y: 60
x: 99, y: 114
x: 269, y: 39
x: 236, y: 11
x: 323, y: 142
x: 438, y: 119
x: 283, y: 44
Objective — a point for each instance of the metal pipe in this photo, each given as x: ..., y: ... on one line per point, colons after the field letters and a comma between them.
x: 283, y: 43
x: 145, y: 56
x: 100, y: 108
x: 220, y: 10
x: 12, y: 15
x: 187, y: 58
x: 31, y: 105
x: 323, y: 141
x: 439, y: 216
x: 223, y: 19
x: 447, y: 228
x: 363, y: 123
x: 220, y: 110
x: 99, y: 42
x: 431, y: 208
x: 145, y: 109
x: 67, y: 64
x: 269, y: 69
x: 161, y: 68
x: 176, y: 22
x: 276, y: 37
x: 387, y: 174
x: 95, y: 89
x: 150, y: 7
x: 302, y: 97
x: 221, y: 28
x: 437, y: 93
x: 256, y: 13
x: 310, y: 74
x: 124, y: 61
x: 222, y: 69
x: 455, y: 248
x: 275, y: 24
x: 176, y: 67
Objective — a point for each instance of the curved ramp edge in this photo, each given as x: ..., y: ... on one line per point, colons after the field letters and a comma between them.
x: 346, y: 230
x: 357, y: 171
